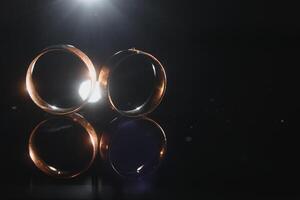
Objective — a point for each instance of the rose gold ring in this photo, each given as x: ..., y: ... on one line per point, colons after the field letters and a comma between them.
x: 41, y: 102
x: 160, y: 82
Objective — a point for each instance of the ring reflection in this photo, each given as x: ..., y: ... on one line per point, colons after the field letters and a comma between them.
x: 133, y: 147
x: 63, y: 147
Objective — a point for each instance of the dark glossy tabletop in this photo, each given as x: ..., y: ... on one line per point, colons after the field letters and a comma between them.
x: 229, y: 116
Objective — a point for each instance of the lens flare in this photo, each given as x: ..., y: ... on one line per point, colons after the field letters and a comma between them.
x: 84, y: 91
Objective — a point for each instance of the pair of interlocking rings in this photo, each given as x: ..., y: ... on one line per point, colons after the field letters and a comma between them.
x: 141, y: 140
x: 104, y: 80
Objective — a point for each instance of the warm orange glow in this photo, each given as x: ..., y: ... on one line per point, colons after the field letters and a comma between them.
x: 161, y: 153
x: 103, y: 76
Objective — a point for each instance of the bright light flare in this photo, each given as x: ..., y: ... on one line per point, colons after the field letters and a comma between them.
x: 84, y: 90
x: 88, y: 1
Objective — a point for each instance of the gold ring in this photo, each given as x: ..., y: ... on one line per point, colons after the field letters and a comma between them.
x: 160, y: 82
x: 41, y: 102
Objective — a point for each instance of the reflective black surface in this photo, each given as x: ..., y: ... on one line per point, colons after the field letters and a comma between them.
x: 231, y: 110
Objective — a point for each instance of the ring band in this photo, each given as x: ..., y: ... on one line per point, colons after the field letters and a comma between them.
x: 44, y: 167
x: 160, y: 82
x: 41, y: 102
x: 121, y: 125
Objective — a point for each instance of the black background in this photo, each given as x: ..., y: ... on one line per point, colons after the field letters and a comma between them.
x: 232, y: 104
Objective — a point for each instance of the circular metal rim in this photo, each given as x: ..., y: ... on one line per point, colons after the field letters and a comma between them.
x: 41, y: 102
x: 43, y: 166
x: 106, y: 142
x: 154, y: 98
